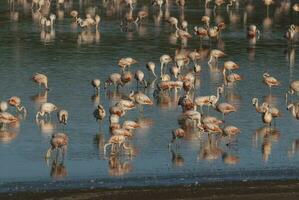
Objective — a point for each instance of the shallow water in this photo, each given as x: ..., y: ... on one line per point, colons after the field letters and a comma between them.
x: 71, y: 64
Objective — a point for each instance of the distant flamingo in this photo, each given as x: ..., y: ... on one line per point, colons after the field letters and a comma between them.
x: 150, y: 66
x: 211, y: 119
x: 293, y: 88
x: 164, y: 60
x: 126, y: 62
x: 212, y: 128
x: 259, y: 109
x: 253, y: 32
x: 41, y: 79
x: 294, y: 110
x: 231, y: 131
x: 270, y: 80
x: 267, y: 116
x: 45, y: 108
x: 3, y: 106
x: 215, y: 54
x: 139, y: 77
x: 177, y: 133
x: 96, y: 84
x: 115, y: 79
x: 140, y: 98
x: 225, y: 108
x: 173, y: 22
x: 16, y: 102
x: 117, y: 140
x: 62, y: 116
x: 130, y: 125
x: 58, y: 141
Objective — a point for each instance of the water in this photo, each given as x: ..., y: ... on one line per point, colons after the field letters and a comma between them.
x: 71, y: 64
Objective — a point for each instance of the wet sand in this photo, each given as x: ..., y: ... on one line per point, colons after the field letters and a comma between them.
x: 220, y: 191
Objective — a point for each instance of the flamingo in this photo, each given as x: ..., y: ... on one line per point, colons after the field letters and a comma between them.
x: 296, y: 7
x: 7, y: 118
x: 46, y: 108
x: 117, y: 110
x: 259, y: 109
x: 215, y: 54
x: 41, y: 79
x: 58, y: 141
x: 186, y: 103
x: 16, y: 102
x: 212, y: 128
x: 201, y: 33
x: 126, y: 77
x: 173, y: 22
x: 225, y: 108
x: 270, y: 80
x: 126, y: 104
x: 231, y: 78
x: 253, y: 32
x: 206, y: 20
x: 192, y: 115
x: 267, y: 116
x: 211, y: 119
x: 63, y: 116
x: 230, y: 65
x: 126, y: 62
x: 231, y: 131
x: 150, y: 66
x: 164, y: 60
x: 140, y: 98
x: 117, y: 140
x: 130, y: 125
x: 139, y: 77
x: 208, y: 100
x: 184, y: 25
x: 97, y: 21
x: 115, y: 79
x: 158, y: 3
x: 99, y: 113
x: 293, y: 88
x: 177, y: 133
x: 3, y: 106
x: 141, y: 15
x: 294, y: 110
x: 74, y: 14
x: 96, y: 84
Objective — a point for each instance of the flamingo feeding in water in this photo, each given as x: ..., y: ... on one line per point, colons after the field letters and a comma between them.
x: 16, y: 102
x: 41, y: 79
x: 45, y: 108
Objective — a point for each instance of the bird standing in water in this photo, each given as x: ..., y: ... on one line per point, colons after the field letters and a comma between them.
x: 99, y: 114
x: 41, y: 79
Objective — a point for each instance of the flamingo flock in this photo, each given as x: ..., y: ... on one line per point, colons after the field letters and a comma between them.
x: 179, y: 74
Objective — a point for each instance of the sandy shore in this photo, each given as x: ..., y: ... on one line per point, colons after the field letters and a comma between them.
x: 227, y: 190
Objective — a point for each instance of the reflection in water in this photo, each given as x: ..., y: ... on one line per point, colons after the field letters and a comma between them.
x: 294, y: 148
x: 99, y: 141
x: 7, y: 136
x: 210, y: 149
x: 119, y: 166
x: 177, y: 159
x: 268, y: 135
x: 46, y: 127
x: 230, y: 159
x: 58, y: 170
x: 40, y: 98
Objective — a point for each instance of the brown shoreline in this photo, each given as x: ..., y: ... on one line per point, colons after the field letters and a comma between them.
x: 219, y: 191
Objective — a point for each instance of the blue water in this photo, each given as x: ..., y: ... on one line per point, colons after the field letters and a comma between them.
x: 70, y: 66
